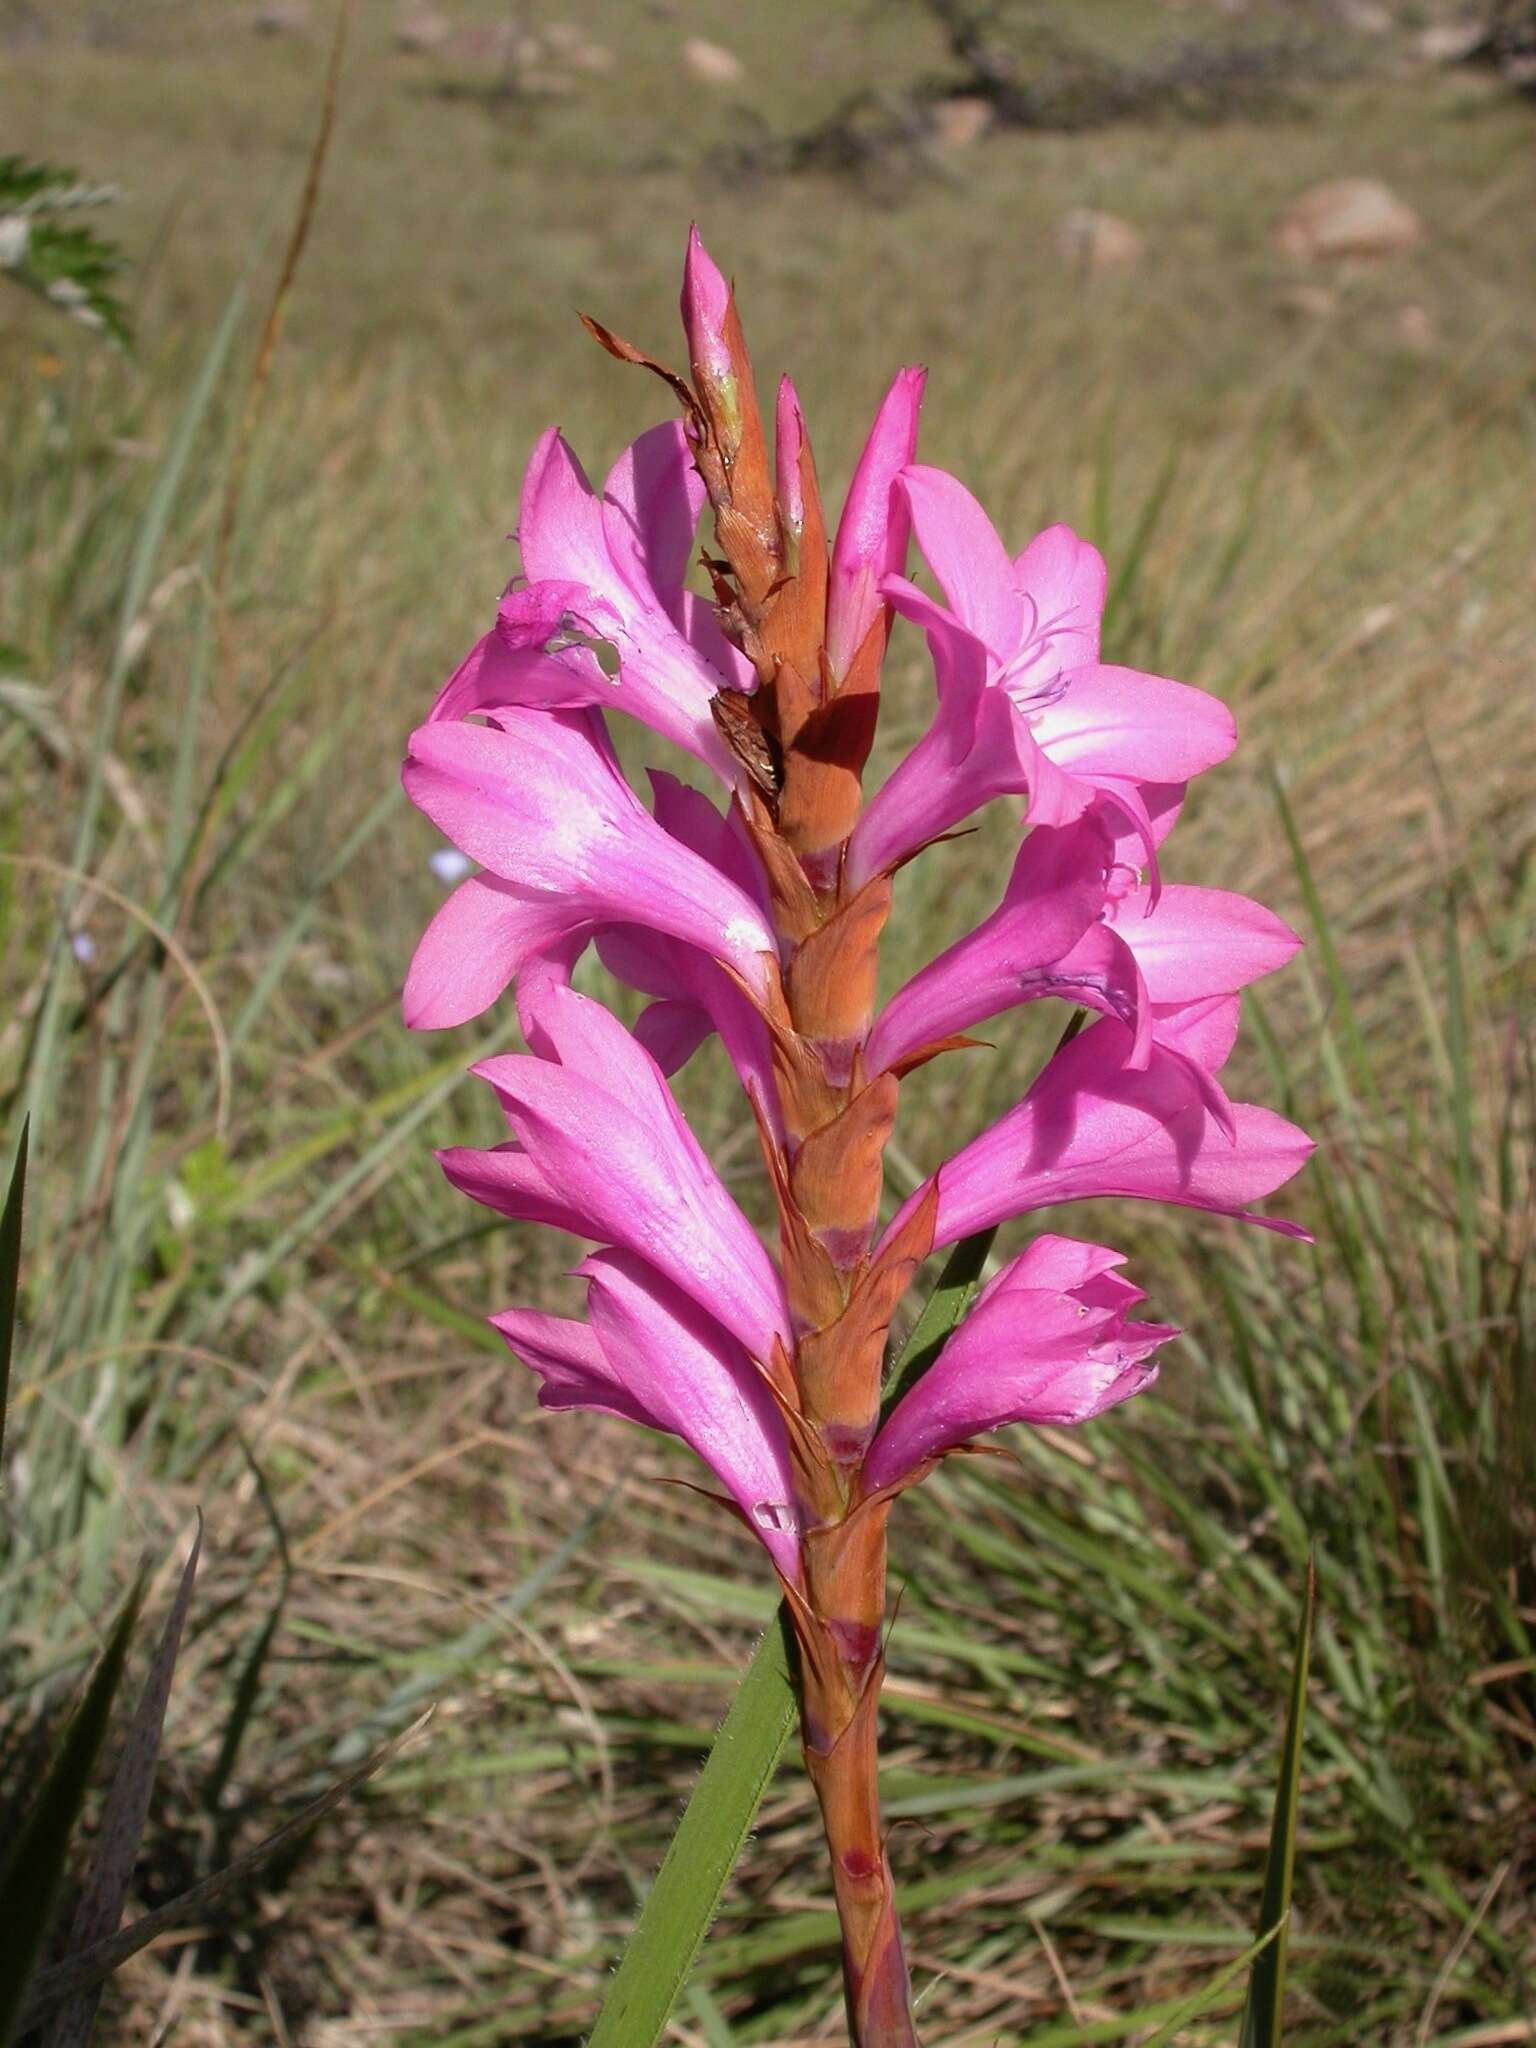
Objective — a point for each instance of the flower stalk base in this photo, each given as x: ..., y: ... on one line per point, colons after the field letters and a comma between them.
x: 842, y: 1665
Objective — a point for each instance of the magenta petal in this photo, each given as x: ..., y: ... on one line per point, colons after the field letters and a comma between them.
x: 1102, y: 973
x: 1115, y: 721
x: 540, y: 802
x: 696, y: 1381
x: 1204, y: 1031
x: 1047, y: 1343
x: 559, y: 519
x: 496, y: 672
x: 1053, y: 898
x: 1062, y: 579
x: 606, y: 570
x: 962, y: 549
x: 651, y: 1356
x: 1092, y: 1126
x: 672, y: 1029
x: 572, y: 1365
x: 871, y: 540
x: 651, y: 504
x: 690, y: 816
x: 505, y: 1179
x: 600, y: 1129
x: 1201, y: 942
x: 473, y: 948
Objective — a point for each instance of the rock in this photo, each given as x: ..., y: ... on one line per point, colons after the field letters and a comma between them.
x: 1097, y: 241
x: 485, y: 47
x: 1311, y: 301
x: 1348, y: 217
x: 281, y: 18
x: 960, y: 121
x: 711, y: 63
x: 419, y: 31
x: 1450, y: 42
x: 1367, y: 18
x: 1416, y: 329
x: 570, y: 44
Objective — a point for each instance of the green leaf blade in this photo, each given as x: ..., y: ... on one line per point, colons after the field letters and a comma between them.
x: 1262, y: 2021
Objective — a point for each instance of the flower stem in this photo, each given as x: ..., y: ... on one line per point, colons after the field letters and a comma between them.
x: 841, y: 1670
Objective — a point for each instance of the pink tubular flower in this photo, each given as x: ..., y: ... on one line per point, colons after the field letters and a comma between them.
x: 1046, y: 1342
x: 1075, y: 924
x: 539, y: 801
x: 1026, y: 708
x: 600, y: 1149
x: 1093, y: 1126
x: 651, y: 1355
x: 607, y: 572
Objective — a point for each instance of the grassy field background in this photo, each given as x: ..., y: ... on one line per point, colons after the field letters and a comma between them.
x: 248, y: 1290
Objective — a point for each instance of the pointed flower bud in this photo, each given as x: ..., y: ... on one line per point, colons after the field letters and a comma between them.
x: 706, y: 306
x: 871, y: 541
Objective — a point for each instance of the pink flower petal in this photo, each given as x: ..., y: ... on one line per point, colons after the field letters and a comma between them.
x: 1200, y: 942
x: 651, y: 505
x: 700, y: 1384
x: 1115, y: 721
x: 978, y: 747
x: 1062, y: 581
x: 961, y: 547
x: 475, y: 945
x: 649, y: 1356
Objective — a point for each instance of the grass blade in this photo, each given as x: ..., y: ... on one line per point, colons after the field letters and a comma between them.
x: 31, y: 1875
x: 1207, y: 1996
x: 68, y: 1979
x: 718, y: 1817
x: 10, y: 1269
x: 1266, y: 1987
x: 682, y: 1902
x: 122, y: 1821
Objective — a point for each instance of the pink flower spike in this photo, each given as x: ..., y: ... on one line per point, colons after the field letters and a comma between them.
x: 538, y: 800
x: 602, y: 1137
x: 871, y: 541
x: 1047, y: 1343
x: 650, y: 1355
x: 1092, y: 1126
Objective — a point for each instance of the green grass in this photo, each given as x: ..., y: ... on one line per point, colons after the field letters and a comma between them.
x: 244, y: 1285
